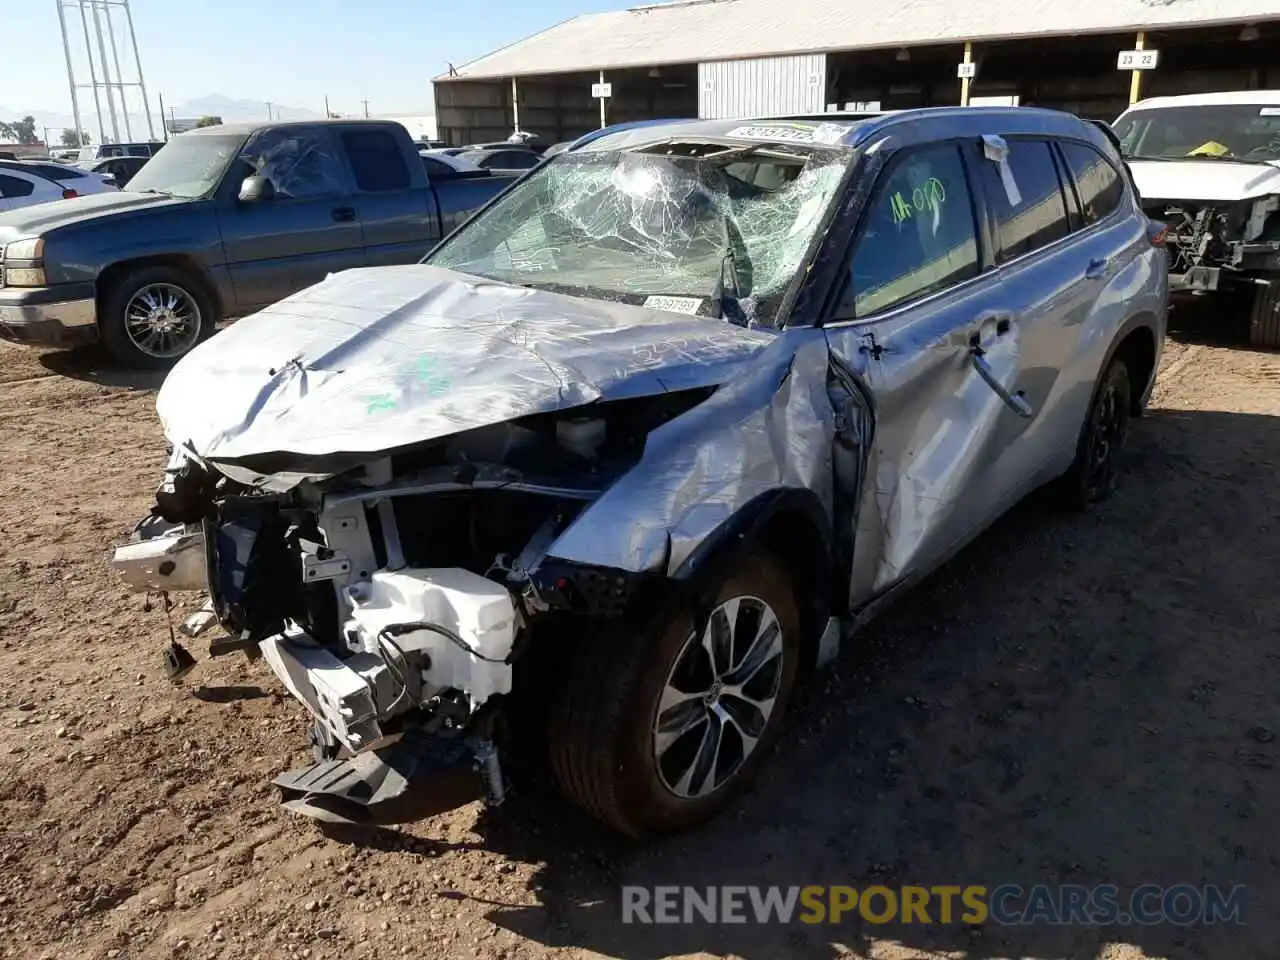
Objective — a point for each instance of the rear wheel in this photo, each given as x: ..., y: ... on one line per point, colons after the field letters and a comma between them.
x: 1264, y: 319
x: 1096, y: 469
x: 153, y: 316
x: 662, y: 727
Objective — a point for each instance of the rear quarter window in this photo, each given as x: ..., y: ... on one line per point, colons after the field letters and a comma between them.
x: 376, y: 160
x: 1098, y: 184
x: 13, y: 187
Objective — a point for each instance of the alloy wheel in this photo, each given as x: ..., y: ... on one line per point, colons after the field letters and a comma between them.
x: 718, y: 698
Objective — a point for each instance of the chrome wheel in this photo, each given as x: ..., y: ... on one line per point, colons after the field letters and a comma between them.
x: 718, y: 698
x: 162, y: 320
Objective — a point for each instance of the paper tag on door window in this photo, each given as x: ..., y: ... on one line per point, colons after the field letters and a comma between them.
x: 688, y: 305
x: 996, y: 150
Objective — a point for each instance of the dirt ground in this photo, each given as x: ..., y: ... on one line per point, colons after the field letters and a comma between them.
x: 1076, y: 699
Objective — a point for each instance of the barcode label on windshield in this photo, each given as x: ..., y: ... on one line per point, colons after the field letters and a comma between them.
x: 674, y: 304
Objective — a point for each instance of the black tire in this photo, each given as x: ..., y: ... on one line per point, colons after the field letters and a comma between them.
x: 602, y: 730
x: 119, y: 297
x: 1264, y: 319
x: 1095, y: 471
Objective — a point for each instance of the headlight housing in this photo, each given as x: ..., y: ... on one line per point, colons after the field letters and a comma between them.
x: 30, y: 249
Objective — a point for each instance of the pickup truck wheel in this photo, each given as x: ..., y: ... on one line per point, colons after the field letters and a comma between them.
x: 153, y: 316
x: 1264, y: 321
x: 1096, y: 468
x: 661, y: 727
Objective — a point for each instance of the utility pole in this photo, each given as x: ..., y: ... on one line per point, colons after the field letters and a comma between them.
x: 268, y: 109
x: 366, y: 109
x: 327, y: 112
x: 100, y: 52
x: 71, y: 76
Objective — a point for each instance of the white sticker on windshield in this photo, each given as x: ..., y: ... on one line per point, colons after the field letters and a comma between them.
x: 775, y: 133
x: 674, y: 304
x: 829, y: 133
x: 1269, y: 112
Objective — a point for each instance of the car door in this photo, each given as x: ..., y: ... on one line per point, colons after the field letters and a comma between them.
x: 918, y: 323
x: 1049, y: 285
x: 310, y: 227
x: 398, y: 220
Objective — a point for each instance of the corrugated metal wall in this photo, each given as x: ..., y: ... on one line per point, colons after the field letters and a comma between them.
x: 768, y: 86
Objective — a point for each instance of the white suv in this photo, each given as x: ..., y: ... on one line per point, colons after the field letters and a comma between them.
x: 1208, y: 166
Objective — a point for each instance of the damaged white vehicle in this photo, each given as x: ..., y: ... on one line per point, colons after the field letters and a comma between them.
x: 600, y: 481
x: 1208, y: 166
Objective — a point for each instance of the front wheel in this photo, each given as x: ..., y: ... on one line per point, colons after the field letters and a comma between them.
x: 662, y: 727
x: 153, y: 316
x: 1095, y: 471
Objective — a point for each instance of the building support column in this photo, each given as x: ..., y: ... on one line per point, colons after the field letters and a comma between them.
x: 602, y: 100
x: 1135, y: 77
x: 965, y: 81
x: 515, y: 105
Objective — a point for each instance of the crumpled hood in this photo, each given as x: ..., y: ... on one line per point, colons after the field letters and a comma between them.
x: 375, y: 359
x: 1204, y: 180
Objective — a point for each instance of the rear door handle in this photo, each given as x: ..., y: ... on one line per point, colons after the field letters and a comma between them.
x: 344, y: 214
x: 1097, y: 268
x: 1003, y: 322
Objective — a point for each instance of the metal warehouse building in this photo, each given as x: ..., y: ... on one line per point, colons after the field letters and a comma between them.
x: 721, y: 58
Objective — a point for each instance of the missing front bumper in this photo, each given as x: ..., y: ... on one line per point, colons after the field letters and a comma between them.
x: 1195, y: 280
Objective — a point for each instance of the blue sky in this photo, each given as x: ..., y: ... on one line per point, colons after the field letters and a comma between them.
x: 286, y: 51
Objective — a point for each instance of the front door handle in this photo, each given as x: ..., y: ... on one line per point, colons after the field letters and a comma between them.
x: 344, y: 214
x: 1097, y: 268
x: 1017, y: 402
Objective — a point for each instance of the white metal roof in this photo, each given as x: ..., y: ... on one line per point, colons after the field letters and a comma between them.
x: 689, y: 31
x: 1245, y: 98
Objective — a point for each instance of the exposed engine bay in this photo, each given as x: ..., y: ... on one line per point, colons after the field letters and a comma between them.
x: 397, y: 595
x: 1212, y: 242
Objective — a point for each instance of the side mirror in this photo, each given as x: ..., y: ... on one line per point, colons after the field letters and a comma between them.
x: 256, y: 189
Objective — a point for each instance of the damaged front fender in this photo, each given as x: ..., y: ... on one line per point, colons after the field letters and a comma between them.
x: 772, y: 428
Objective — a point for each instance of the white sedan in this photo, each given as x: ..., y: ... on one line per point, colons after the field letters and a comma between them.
x: 39, y: 181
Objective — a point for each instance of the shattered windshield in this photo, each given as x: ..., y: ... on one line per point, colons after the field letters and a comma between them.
x: 1233, y: 131
x: 187, y: 167
x: 720, y: 234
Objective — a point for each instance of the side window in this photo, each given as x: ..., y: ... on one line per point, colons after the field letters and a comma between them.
x: 1028, y: 204
x: 298, y: 162
x: 919, y: 235
x: 516, y: 159
x: 376, y: 160
x: 1098, y: 183
x: 435, y: 168
x: 13, y: 187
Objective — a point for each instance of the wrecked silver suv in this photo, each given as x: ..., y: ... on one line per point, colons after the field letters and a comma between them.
x: 599, y: 482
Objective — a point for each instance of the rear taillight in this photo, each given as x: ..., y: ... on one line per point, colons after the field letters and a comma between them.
x: 69, y: 194
x: 1157, y: 233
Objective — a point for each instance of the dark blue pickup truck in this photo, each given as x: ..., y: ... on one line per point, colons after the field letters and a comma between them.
x: 222, y: 222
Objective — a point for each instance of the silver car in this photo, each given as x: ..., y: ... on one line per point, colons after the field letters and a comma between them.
x: 602, y: 479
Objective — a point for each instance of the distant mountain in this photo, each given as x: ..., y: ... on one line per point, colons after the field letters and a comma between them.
x: 213, y: 105
x: 230, y: 110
